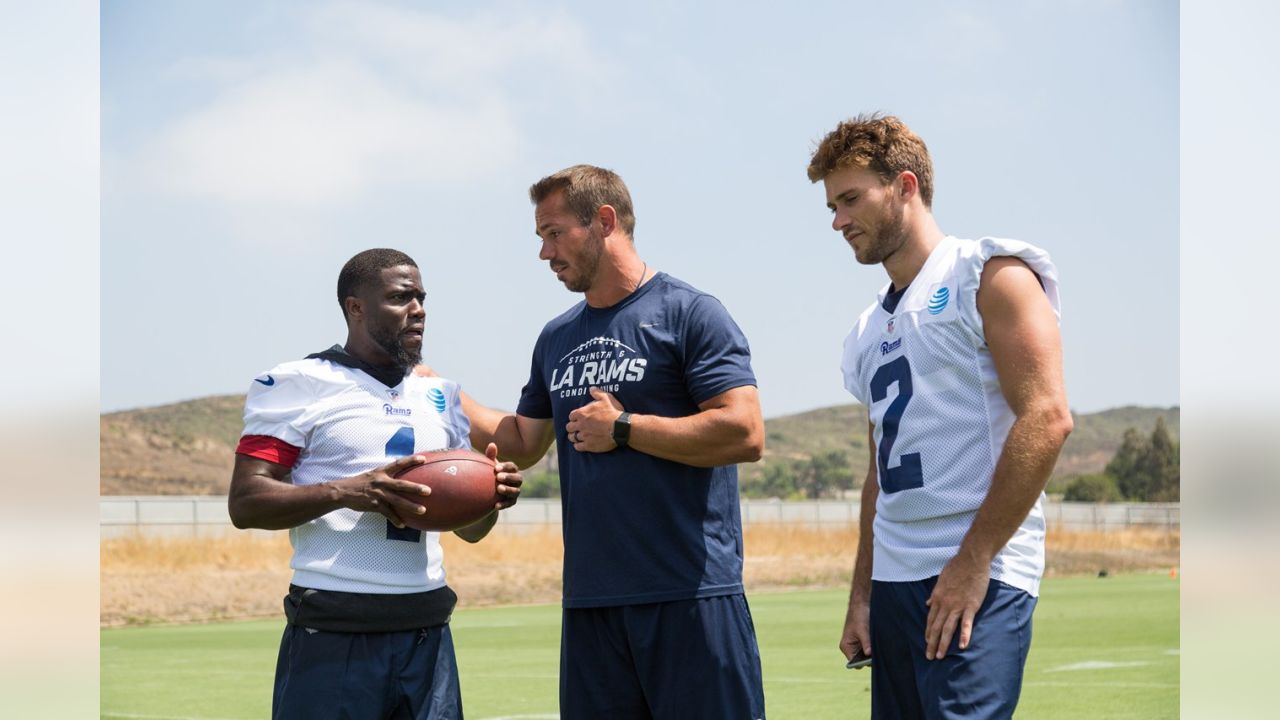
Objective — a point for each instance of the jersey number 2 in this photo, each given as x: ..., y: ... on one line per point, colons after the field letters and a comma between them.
x: 907, y: 474
x: 401, y: 445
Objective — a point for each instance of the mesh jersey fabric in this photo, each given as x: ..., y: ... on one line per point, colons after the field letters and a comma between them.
x: 345, y: 422
x: 928, y: 381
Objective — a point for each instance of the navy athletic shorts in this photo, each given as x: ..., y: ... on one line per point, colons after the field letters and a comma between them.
x: 681, y: 659
x: 406, y: 675
x: 981, y: 681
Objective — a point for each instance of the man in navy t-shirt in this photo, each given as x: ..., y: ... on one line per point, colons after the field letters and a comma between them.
x: 646, y: 387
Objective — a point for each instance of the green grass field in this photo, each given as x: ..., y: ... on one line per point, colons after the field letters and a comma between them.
x: 1102, y: 648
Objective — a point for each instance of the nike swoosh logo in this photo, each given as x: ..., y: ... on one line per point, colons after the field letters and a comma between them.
x: 268, y: 382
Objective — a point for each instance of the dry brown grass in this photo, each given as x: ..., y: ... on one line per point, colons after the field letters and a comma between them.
x: 795, y: 556
x: 240, y: 551
x: 148, y: 580
x: 1075, y: 553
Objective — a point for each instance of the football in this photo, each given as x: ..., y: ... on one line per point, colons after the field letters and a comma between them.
x: 463, y: 489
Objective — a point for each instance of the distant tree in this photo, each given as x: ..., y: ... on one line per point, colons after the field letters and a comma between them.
x: 1147, y: 469
x: 779, y: 480
x: 824, y: 475
x: 541, y: 485
x: 833, y: 472
x: 775, y: 479
x: 1092, y: 488
x: 1161, y: 464
x: 1124, y: 466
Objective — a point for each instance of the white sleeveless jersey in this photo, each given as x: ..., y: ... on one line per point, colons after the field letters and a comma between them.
x: 927, y: 378
x: 346, y: 422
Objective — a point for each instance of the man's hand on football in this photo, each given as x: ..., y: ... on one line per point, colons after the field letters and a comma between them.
x: 508, y: 477
x: 590, y: 427
x: 379, y: 491
x: 956, y: 598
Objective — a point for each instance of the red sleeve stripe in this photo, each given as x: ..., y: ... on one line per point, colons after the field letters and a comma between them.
x: 265, y: 447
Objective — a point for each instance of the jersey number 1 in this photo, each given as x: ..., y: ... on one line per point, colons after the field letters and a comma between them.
x: 401, y: 445
x: 907, y: 474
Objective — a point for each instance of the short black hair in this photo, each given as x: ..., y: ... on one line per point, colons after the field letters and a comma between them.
x: 367, y: 266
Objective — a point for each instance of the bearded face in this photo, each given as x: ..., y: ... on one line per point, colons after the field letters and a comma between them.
x: 586, y: 264
x: 884, y: 233
x: 403, y: 345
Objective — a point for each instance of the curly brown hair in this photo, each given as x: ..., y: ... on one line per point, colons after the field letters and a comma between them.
x: 586, y: 188
x: 881, y: 143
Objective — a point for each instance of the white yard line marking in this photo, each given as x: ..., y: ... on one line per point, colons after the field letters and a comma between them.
x: 1097, y: 665
x: 813, y: 680
x: 140, y: 716
x: 522, y: 676
x: 1047, y: 683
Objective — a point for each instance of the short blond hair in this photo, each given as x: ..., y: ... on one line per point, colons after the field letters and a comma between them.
x: 881, y: 144
x: 586, y: 188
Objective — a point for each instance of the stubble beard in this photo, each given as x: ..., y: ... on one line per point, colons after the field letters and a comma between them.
x: 886, y: 239
x: 588, y: 264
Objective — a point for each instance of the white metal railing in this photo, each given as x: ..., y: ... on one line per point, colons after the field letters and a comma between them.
x: 201, y: 515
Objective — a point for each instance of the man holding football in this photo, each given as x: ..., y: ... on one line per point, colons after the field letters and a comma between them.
x: 959, y: 362
x: 324, y: 438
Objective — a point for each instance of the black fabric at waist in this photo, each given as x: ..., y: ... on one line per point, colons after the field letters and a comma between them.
x: 368, y: 612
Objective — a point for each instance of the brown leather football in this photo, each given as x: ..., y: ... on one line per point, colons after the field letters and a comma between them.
x: 463, y: 489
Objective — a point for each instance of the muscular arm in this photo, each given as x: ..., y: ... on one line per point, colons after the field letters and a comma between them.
x: 1026, y: 348
x: 727, y: 429
x: 261, y: 495
x: 522, y: 440
x: 857, y: 625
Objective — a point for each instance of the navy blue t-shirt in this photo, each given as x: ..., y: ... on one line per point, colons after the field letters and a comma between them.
x: 637, y: 528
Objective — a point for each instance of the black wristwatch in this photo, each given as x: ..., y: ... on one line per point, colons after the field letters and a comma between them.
x: 622, y: 429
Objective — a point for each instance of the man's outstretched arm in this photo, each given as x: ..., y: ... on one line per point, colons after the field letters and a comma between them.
x: 522, y: 440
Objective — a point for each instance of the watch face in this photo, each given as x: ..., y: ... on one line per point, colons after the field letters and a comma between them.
x: 622, y: 429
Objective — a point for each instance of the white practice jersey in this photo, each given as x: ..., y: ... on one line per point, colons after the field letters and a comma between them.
x: 927, y: 378
x: 345, y: 423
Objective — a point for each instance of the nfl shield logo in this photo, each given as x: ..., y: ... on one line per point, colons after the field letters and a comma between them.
x: 889, y: 327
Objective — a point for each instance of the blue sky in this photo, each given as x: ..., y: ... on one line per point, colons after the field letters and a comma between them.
x: 249, y: 149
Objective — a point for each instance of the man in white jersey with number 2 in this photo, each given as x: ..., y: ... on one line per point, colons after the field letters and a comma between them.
x: 959, y: 362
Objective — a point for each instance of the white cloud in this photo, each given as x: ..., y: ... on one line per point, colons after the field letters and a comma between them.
x: 368, y: 96
x: 323, y: 134
x: 464, y: 55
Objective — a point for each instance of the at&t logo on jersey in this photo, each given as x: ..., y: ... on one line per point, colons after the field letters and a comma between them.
x: 938, y: 300
x: 437, y: 399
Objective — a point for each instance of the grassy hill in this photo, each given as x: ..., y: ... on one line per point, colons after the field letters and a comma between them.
x: 187, y: 448
x: 844, y: 427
